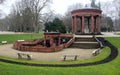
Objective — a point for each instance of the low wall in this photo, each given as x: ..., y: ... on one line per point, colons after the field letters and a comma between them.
x: 100, y: 43
x: 34, y: 46
x: 66, y: 35
x: 69, y: 42
x: 40, y: 49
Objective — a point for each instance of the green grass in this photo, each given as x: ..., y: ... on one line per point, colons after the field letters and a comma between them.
x: 111, y: 68
x: 10, y: 38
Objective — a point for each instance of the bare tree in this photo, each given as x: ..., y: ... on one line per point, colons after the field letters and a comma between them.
x: 38, y: 6
x: 117, y: 13
x: 49, y: 16
x: 13, y: 20
x: 67, y: 19
x: 29, y: 13
x: 1, y: 1
x: 106, y: 23
x: 117, y: 7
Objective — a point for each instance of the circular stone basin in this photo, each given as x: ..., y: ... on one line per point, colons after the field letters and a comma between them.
x: 8, y: 51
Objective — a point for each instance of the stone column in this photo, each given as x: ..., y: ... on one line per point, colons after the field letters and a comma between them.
x: 88, y: 19
x: 75, y: 24
x: 51, y: 41
x: 50, y: 37
x: 99, y: 28
x: 58, y: 40
x: 92, y: 24
x: 44, y: 40
x: 72, y: 24
x: 82, y: 26
x: 95, y: 25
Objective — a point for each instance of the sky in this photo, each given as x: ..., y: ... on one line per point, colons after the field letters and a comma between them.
x: 59, y: 6
x: 6, y: 7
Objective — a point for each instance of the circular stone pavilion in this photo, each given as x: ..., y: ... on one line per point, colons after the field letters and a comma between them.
x: 86, y: 21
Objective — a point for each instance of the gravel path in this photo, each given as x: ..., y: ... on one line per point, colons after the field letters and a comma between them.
x: 7, y: 50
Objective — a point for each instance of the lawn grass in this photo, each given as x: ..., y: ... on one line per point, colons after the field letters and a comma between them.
x: 10, y: 38
x: 111, y: 68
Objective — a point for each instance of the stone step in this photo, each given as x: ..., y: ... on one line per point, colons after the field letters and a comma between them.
x: 84, y: 39
x: 87, y: 42
x: 85, y: 45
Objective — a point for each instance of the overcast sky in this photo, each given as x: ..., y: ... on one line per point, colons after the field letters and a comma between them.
x: 59, y: 6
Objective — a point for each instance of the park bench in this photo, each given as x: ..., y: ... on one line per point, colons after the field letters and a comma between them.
x: 69, y: 57
x: 4, y: 42
x: 96, y: 52
x: 20, y: 40
x: 24, y: 56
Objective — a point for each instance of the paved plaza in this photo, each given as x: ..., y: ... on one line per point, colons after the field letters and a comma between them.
x: 8, y: 51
